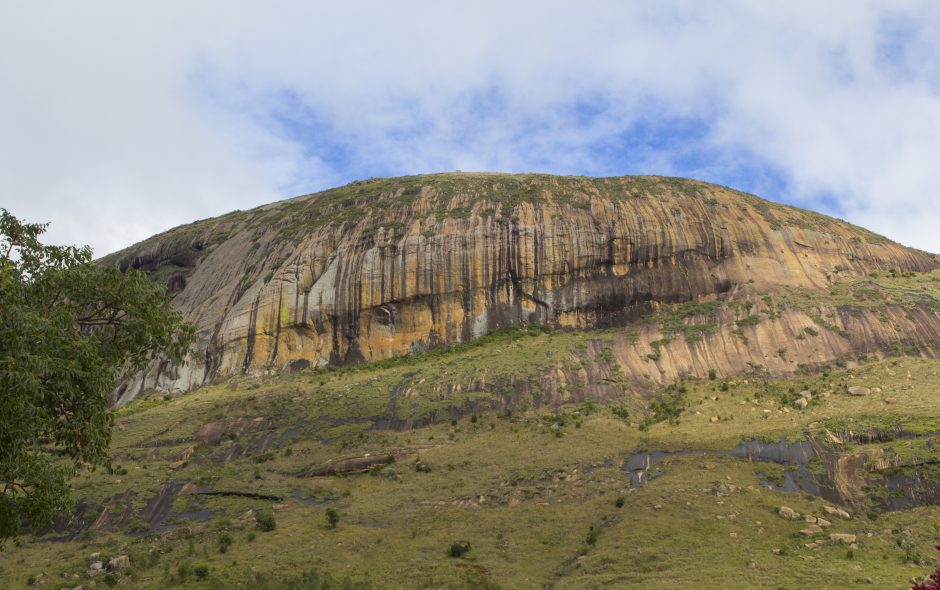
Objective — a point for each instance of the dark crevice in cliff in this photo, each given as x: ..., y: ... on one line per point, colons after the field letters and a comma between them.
x: 250, y: 339
x: 277, y: 327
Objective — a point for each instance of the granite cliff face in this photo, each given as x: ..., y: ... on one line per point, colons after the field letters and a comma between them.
x: 385, y: 267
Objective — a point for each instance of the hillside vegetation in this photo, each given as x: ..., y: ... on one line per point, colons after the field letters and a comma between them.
x: 439, y: 481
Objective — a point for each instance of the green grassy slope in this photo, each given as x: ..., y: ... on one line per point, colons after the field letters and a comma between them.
x: 539, y: 493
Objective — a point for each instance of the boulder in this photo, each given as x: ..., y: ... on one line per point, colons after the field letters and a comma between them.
x: 119, y: 563
x: 811, y: 530
x: 801, y: 403
x: 858, y: 391
x: 823, y: 522
x: 788, y: 513
x: 837, y: 512
x: 247, y: 518
x: 833, y: 438
x: 842, y: 538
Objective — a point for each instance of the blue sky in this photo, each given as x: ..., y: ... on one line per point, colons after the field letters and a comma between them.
x: 123, y: 119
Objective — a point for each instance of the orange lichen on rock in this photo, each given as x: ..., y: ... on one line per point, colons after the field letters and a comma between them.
x: 386, y: 267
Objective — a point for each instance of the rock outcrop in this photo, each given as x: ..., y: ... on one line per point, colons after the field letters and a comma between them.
x: 386, y: 267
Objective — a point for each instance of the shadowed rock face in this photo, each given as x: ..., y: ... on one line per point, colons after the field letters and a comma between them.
x: 385, y: 267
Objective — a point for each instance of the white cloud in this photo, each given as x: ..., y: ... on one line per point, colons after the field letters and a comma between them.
x: 120, y: 119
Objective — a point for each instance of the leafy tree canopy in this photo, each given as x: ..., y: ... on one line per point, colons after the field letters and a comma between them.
x: 69, y: 328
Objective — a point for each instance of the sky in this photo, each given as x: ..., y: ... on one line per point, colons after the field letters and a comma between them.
x: 121, y: 119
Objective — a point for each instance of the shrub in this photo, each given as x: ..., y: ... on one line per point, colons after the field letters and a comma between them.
x: 620, y: 501
x: 422, y: 467
x: 332, y: 517
x: 669, y: 406
x: 911, y: 553
x: 459, y: 548
x: 592, y: 536
x: 712, y: 374
x: 266, y: 520
x: 225, y: 541
x: 620, y: 412
x: 201, y: 571
x: 774, y: 474
x: 750, y: 320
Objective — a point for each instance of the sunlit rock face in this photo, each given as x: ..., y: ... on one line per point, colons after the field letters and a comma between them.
x: 386, y: 267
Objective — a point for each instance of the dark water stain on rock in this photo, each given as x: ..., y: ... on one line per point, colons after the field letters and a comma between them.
x: 306, y: 498
x: 641, y: 467
x: 907, y: 487
x: 161, y: 505
x: 819, y: 470
x: 591, y: 467
x: 68, y: 526
x: 159, y: 514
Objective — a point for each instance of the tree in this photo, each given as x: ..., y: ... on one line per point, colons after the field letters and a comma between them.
x: 332, y: 518
x: 68, y: 329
